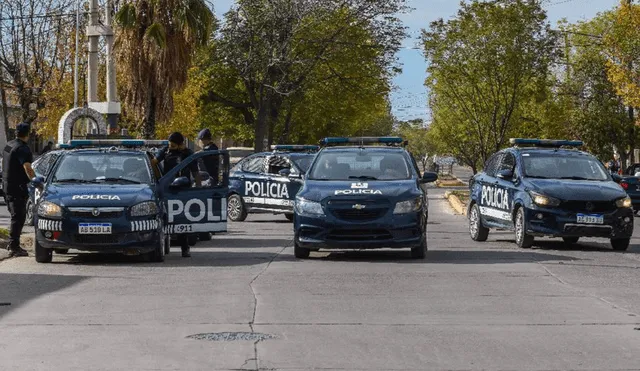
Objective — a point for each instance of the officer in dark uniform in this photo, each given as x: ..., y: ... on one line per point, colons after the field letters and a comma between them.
x: 210, y: 164
x: 170, y: 157
x: 17, y: 173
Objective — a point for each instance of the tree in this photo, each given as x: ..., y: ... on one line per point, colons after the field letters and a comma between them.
x: 278, y: 48
x: 155, y: 44
x: 483, y: 64
x: 420, y: 141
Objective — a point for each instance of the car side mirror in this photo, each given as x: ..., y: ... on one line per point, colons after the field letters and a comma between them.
x: 505, y: 174
x: 284, y: 172
x: 181, y: 182
x: 429, y: 177
x: 616, y: 178
x: 38, y: 181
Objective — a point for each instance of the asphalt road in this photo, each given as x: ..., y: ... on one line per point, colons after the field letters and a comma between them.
x: 468, y: 306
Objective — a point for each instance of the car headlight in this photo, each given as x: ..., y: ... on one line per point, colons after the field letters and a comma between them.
x: 409, y: 206
x: 48, y: 209
x: 624, y: 202
x: 542, y: 200
x: 144, y: 209
x: 306, y: 207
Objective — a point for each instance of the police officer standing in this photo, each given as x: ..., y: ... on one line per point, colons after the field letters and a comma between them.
x: 170, y: 157
x: 211, y: 164
x: 17, y: 173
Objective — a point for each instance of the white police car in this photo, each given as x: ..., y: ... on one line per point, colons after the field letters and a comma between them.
x: 548, y: 190
x: 104, y: 196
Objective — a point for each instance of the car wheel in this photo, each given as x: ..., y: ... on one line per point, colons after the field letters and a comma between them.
x: 420, y: 252
x: 570, y: 240
x: 300, y: 252
x: 478, y: 232
x: 42, y: 255
x: 29, y: 217
x: 61, y: 251
x: 289, y: 217
x: 167, y: 244
x: 158, y: 253
x: 204, y: 236
x: 523, y: 240
x: 621, y: 244
x: 235, y: 209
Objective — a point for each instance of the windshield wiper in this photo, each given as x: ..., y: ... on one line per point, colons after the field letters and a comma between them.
x: 538, y: 177
x: 72, y: 180
x: 131, y: 181
x: 364, y: 177
x: 576, y: 178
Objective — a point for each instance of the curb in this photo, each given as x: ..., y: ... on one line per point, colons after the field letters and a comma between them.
x: 455, y: 203
x: 26, y: 242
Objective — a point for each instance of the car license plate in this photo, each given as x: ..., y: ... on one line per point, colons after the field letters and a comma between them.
x: 94, y: 228
x: 590, y: 219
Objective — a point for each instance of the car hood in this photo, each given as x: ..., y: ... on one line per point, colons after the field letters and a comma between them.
x: 88, y: 195
x: 578, y: 190
x: 318, y: 190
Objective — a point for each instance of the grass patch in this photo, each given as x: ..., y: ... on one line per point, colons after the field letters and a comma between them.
x: 4, y: 233
x: 462, y: 196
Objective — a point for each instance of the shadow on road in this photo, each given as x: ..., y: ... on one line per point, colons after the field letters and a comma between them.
x: 447, y: 256
x: 559, y: 245
x: 18, y: 289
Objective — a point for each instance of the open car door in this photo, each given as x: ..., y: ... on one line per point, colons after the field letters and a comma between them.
x: 192, y: 209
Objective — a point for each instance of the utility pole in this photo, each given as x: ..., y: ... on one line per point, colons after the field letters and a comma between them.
x: 75, y: 75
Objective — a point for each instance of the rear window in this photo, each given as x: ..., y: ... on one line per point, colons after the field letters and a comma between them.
x: 361, y: 164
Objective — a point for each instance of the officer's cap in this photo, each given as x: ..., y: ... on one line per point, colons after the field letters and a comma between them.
x: 204, y: 134
x: 23, y: 129
x: 176, y: 138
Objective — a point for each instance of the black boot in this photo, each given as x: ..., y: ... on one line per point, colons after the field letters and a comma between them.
x: 17, y: 251
x: 185, y: 252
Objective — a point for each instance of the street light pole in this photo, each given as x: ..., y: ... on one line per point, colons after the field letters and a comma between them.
x: 75, y: 75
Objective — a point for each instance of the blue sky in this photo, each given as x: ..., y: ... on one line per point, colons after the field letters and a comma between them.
x: 409, y: 98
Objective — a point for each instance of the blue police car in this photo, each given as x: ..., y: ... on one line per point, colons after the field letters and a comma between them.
x: 362, y: 193
x: 549, y: 188
x: 105, y: 196
x: 268, y: 182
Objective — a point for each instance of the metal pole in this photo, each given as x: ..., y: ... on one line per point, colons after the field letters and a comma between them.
x: 92, y: 94
x: 75, y: 77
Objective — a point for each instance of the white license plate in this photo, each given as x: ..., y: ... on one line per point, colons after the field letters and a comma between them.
x: 94, y: 228
x: 590, y: 219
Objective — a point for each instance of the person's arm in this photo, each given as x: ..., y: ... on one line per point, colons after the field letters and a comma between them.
x: 26, y: 158
x: 156, y: 160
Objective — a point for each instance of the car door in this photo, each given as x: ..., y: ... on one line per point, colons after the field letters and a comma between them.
x: 505, y: 189
x: 252, y: 180
x: 487, y: 182
x: 192, y: 209
x: 283, y: 183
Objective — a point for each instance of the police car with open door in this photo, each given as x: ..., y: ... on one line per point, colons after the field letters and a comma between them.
x: 268, y: 182
x: 362, y: 193
x: 104, y: 196
x: 549, y: 188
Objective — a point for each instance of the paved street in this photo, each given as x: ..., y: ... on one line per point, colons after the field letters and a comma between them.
x: 469, y: 306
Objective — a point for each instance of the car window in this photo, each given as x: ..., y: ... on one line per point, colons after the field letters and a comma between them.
x: 548, y: 166
x: 492, y: 164
x: 303, y: 162
x: 103, y: 167
x: 277, y: 163
x: 253, y: 164
x: 361, y: 164
x: 508, y: 162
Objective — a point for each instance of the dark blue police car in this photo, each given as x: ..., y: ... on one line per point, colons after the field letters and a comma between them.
x: 362, y: 193
x: 549, y: 190
x: 104, y: 196
x: 268, y: 182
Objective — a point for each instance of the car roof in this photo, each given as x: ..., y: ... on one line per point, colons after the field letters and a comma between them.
x: 373, y: 148
x: 551, y: 151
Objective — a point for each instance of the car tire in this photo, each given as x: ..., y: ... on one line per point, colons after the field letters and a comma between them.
x: 523, y: 240
x: 236, y: 211
x: 420, y: 252
x: 204, y: 236
x: 620, y: 244
x: 570, y: 240
x: 192, y: 239
x: 42, y: 255
x: 158, y: 253
x: 298, y: 251
x: 289, y: 217
x: 61, y: 251
x: 29, y: 218
x: 478, y: 232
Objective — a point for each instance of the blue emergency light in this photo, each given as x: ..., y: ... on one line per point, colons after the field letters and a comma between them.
x: 361, y: 140
x: 77, y: 143
x: 294, y: 147
x: 546, y: 142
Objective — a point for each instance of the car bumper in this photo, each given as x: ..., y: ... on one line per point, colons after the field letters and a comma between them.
x: 558, y: 223
x: 141, y: 236
x: 322, y: 233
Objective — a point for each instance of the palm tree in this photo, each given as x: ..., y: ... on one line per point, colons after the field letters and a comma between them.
x: 155, y: 42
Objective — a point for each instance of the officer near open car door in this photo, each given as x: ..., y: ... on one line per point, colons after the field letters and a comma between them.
x: 17, y: 173
x: 170, y: 157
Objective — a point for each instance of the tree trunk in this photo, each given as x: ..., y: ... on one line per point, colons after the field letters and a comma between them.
x: 261, y: 127
x: 4, y: 136
x: 149, y: 120
x: 632, y: 135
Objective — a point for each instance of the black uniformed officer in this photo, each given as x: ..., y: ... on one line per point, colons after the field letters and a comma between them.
x: 170, y: 157
x: 17, y: 173
x: 211, y: 163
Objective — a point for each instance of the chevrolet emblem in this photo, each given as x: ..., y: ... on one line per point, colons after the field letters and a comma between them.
x: 359, y: 207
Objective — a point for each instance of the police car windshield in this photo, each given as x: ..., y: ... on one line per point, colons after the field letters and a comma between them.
x: 549, y: 166
x: 302, y: 161
x: 99, y: 167
x: 360, y: 164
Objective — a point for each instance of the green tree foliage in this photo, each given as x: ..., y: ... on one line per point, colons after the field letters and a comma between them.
x: 483, y: 65
x: 420, y: 139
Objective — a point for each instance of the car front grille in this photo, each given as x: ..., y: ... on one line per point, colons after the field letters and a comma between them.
x: 589, y: 207
x: 102, y: 215
x: 97, y: 239
x: 588, y: 230
x: 358, y: 215
x: 359, y: 235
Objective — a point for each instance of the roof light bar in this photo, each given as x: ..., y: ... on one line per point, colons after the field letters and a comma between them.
x: 361, y: 140
x: 77, y: 143
x: 546, y: 142
x: 295, y: 147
